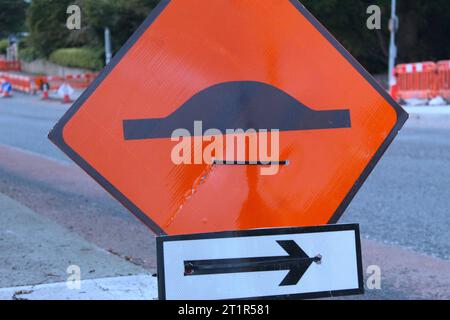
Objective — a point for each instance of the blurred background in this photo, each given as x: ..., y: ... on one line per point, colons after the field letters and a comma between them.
x: 57, y: 225
x: 40, y: 28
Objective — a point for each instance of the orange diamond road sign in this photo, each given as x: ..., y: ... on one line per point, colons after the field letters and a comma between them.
x: 156, y: 128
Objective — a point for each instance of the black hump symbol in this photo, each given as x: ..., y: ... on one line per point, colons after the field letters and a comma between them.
x: 239, y: 105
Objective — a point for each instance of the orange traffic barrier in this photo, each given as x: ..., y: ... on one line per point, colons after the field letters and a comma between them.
x: 77, y: 81
x: 33, y: 84
x: 20, y: 82
x: 416, y: 80
x: 443, y: 79
x: 7, y: 65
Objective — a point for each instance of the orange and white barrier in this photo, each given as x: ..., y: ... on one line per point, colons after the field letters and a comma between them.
x: 443, y: 79
x: 6, y: 65
x: 33, y: 84
x: 60, y: 86
x: 416, y: 80
x: 20, y: 82
x: 78, y: 81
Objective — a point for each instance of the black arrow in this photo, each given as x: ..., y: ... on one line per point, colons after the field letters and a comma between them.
x: 297, y: 262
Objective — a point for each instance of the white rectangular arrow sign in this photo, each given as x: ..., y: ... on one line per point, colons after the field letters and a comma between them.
x: 308, y: 262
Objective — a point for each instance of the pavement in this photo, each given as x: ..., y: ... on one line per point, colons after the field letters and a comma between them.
x: 54, y: 216
x: 139, y: 287
x: 38, y: 250
x: 427, y: 117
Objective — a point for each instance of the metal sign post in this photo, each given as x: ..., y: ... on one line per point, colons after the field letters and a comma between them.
x: 393, y: 27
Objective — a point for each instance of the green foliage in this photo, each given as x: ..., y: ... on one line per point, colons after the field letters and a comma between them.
x: 12, y: 16
x: 86, y: 58
x: 422, y: 34
x: 3, y: 45
x: 29, y: 54
x: 424, y: 29
x: 346, y: 20
x: 122, y: 17
x: 46, y: 22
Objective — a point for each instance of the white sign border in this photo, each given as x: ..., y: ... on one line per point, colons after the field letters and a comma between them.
x: 265, y: 232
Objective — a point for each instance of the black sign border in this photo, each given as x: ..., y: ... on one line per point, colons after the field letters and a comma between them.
x: 56, y: 134
x: 267, y: 232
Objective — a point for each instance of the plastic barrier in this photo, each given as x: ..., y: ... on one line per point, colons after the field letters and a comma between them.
x: 443, y: 79
x: 78, y: 81
x: 10, y: 65
x: 22, y: 83
x: 416, y: 80
x: 58, y: 84
x: 32, y: 84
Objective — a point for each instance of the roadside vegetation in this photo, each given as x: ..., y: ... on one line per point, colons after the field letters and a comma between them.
x: 86, y: 58
x: 3, y: 46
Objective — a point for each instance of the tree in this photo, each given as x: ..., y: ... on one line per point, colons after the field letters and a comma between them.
x: 12, y: 16
x: 46, y: 21
x: 422, y: 34
x: 346, y: 20
x: 122, y: 17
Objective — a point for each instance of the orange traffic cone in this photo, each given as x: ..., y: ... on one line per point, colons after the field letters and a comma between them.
x: 394, y: 92
x: 66, y: 99
x: 64, y: 91
x: 393, y: 89
x: 44, y: 95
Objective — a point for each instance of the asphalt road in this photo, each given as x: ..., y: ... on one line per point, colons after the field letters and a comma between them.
x: 26, y: 121
x: 405, y: 202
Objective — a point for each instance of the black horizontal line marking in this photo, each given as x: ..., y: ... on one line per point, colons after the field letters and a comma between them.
x: 250, y: 163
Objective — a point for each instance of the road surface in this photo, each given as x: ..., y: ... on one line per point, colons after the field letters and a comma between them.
x: 403, y: 208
